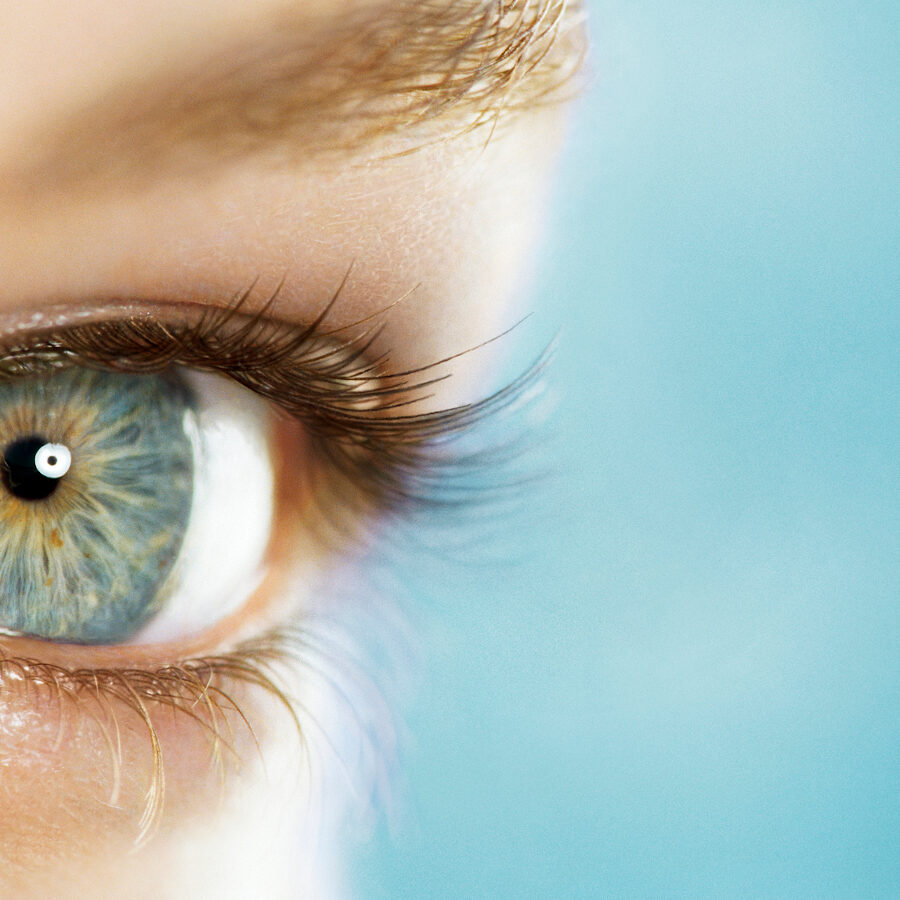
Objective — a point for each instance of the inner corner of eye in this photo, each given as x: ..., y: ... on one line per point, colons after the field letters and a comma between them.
x: 134, y: 508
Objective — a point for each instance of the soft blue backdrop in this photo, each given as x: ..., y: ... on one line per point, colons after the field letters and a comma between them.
x: 689, y: 682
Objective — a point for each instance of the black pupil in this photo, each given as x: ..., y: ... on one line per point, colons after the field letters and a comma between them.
x: 20, y: 475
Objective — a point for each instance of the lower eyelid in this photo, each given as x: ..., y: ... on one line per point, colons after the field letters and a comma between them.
x: 109, y: 747
x: 85, y: 758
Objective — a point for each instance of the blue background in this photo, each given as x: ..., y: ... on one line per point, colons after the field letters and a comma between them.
x: 688, y: 681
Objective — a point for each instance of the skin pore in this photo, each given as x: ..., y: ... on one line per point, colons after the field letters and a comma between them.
x: 161, y: 158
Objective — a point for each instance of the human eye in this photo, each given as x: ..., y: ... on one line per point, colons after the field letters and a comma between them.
x: 165, y: 475
x: 148, y: 465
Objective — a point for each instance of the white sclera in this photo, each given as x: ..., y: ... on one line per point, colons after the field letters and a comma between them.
x: 221, y: 561
x: 53, y: 460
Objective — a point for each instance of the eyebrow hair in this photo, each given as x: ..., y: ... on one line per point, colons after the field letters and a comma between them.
x: 383, y: 71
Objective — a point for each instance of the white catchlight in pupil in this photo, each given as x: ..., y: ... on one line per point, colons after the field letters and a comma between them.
x: 53, y: 460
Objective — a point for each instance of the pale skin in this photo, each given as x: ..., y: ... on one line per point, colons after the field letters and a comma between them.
x: 447, y: 230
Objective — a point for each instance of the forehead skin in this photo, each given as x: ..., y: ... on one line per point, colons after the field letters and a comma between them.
x: 433, y: 212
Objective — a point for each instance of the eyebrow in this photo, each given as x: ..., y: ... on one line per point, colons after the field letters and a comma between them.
x: 299, y: 89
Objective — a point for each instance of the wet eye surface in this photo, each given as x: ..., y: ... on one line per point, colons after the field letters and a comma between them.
x: 111, y: 485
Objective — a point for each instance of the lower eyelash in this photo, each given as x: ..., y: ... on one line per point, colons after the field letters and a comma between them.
x: 200, y: 689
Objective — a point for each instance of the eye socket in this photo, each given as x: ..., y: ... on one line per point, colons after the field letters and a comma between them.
x: 133, y: 507
x: 347, y: 441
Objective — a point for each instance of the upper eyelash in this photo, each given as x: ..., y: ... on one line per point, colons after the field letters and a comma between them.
x: 354, y: 407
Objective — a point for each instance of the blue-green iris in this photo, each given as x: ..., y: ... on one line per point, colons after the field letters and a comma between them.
x: 86, y: 545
